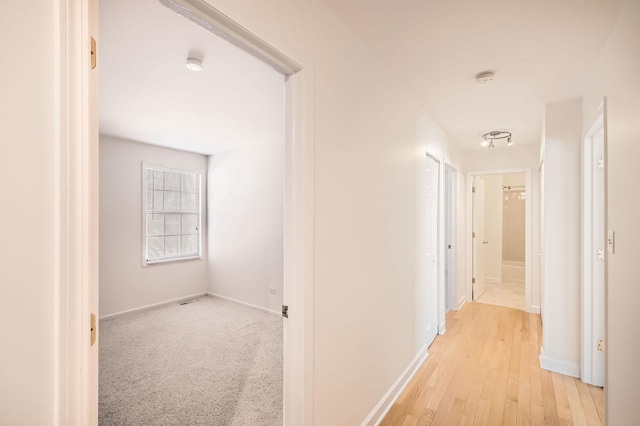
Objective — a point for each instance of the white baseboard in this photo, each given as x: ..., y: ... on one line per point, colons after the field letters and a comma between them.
x: 153, y: 305
x: 249, y: 305
x: 441, y: 328
x: 557, y: 366
x: 492, y: 280
x: 461, y: 302
x: 384, y: 405
x: 534, y: 309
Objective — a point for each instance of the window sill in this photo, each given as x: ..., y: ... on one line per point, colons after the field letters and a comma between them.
x: 146, y: 263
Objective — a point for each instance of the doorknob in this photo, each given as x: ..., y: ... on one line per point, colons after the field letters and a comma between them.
x: 485, y: 242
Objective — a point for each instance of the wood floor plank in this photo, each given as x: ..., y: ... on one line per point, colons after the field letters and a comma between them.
x: 597, y: 394
x: 485, y: 370
x: 577, y: 412
x: 562, y: 401
x: 589, y: 407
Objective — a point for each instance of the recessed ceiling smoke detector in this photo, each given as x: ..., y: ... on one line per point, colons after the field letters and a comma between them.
x: 485, y: 77
x: 194, y: 64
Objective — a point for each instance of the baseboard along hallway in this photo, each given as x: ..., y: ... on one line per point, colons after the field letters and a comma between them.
x: 486, y: 371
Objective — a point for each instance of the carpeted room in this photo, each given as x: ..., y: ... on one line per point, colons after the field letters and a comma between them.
x: 191, y: 209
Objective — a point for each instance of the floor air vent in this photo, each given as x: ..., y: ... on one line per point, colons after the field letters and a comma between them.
x: 186, y: 302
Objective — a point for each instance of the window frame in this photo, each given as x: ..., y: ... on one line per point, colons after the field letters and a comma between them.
x: 199, y: 238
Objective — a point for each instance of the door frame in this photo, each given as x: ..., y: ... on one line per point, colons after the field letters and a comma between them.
x: 76, y: 216
x: 528, y: 234
x: 451, y: 234
x: 588, y: 302
x: 439, y: 290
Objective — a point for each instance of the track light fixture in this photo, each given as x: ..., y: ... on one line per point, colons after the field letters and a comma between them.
x: 489, y: 138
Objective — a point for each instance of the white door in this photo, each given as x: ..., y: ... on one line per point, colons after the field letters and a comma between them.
x: 478, y: 237
x: 432, y: 196
x: 598, y: 257
x: 449, y: 218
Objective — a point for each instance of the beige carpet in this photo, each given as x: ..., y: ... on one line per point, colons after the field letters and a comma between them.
x: 211, y: 362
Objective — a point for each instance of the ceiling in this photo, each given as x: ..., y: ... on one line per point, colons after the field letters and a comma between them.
x: 148, y: 95
x: 541, y: 51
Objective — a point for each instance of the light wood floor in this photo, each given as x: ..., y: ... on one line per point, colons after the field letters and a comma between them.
x: 485, y: 370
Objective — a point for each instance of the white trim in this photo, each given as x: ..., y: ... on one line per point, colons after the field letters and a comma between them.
x: 528, y: 229
x: 383, y: 406
x: 451, y: 219
x: 535, y: 309
x: 153, y: 305
x: 588, y: 348
x: 557, y: 366
x: 462, y: 301
x: 441, y: 328
x: 247, y: 304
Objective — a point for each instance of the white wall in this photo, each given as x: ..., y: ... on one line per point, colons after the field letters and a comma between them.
x: 28, y: 272
x: 246, y: 217
x: 616, y: 77
x: 561, y: 315
x: 124, y: 283
x: 516, y: 156
x: 493, y: 228
x: 370, y: 140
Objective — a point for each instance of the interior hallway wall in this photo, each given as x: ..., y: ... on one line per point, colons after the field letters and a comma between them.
x: 616, y: 77
x: 370, y: 140
x: 561, y: 305
x: 516, y: 156
x: 124, y: 283
x: 246, y: 219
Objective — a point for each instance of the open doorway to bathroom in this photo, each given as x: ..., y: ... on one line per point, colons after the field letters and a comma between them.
x: 499, y: 239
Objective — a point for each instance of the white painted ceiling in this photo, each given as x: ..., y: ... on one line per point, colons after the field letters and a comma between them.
x: 540, y: 50
x: 148, y: 95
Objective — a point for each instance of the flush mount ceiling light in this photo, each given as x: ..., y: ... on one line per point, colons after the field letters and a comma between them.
x: 485, y: 77
x: 194, y: 64
x: 489, y: 137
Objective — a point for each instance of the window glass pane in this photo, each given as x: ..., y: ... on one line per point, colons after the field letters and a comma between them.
x: 149, y: 177
x: 155, y: 201
x: 172, y: 224
x: 189, y: 183
x: 188, y: 203
x: 172, y: 245
x: 158, y: 179
x: 189, y: 224
x: 172, y: 181
x: 155, y: 247
x: 189, y: 244
x: 171, y: 201
x: 155, y: 224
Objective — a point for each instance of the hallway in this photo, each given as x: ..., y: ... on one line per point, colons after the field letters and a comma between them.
x: 485, y: 370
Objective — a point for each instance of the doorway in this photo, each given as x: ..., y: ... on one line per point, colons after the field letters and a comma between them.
x: 499, y: 244
x: 451, y: 246
x: 206, y: 173
x: 81, y: 372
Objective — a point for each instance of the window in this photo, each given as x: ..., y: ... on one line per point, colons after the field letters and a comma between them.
x: 171, y: 215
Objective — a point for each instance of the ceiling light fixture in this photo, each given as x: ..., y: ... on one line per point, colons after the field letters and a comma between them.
x: 489, y: 137
x: 194, y: 64
x: 485, y: 77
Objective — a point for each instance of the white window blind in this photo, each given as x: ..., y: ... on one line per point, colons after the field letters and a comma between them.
x: 171, y: 214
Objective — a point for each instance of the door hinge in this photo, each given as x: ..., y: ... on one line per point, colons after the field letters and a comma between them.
x: 473, y: 280
x: 601, y: 345
x: 285, y: 311
x: 473, y: 189
x: 601, y: 163
x: 94, y: 53
x: 93, y: 329
x: 601, y: 254
x: 473, y: 235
